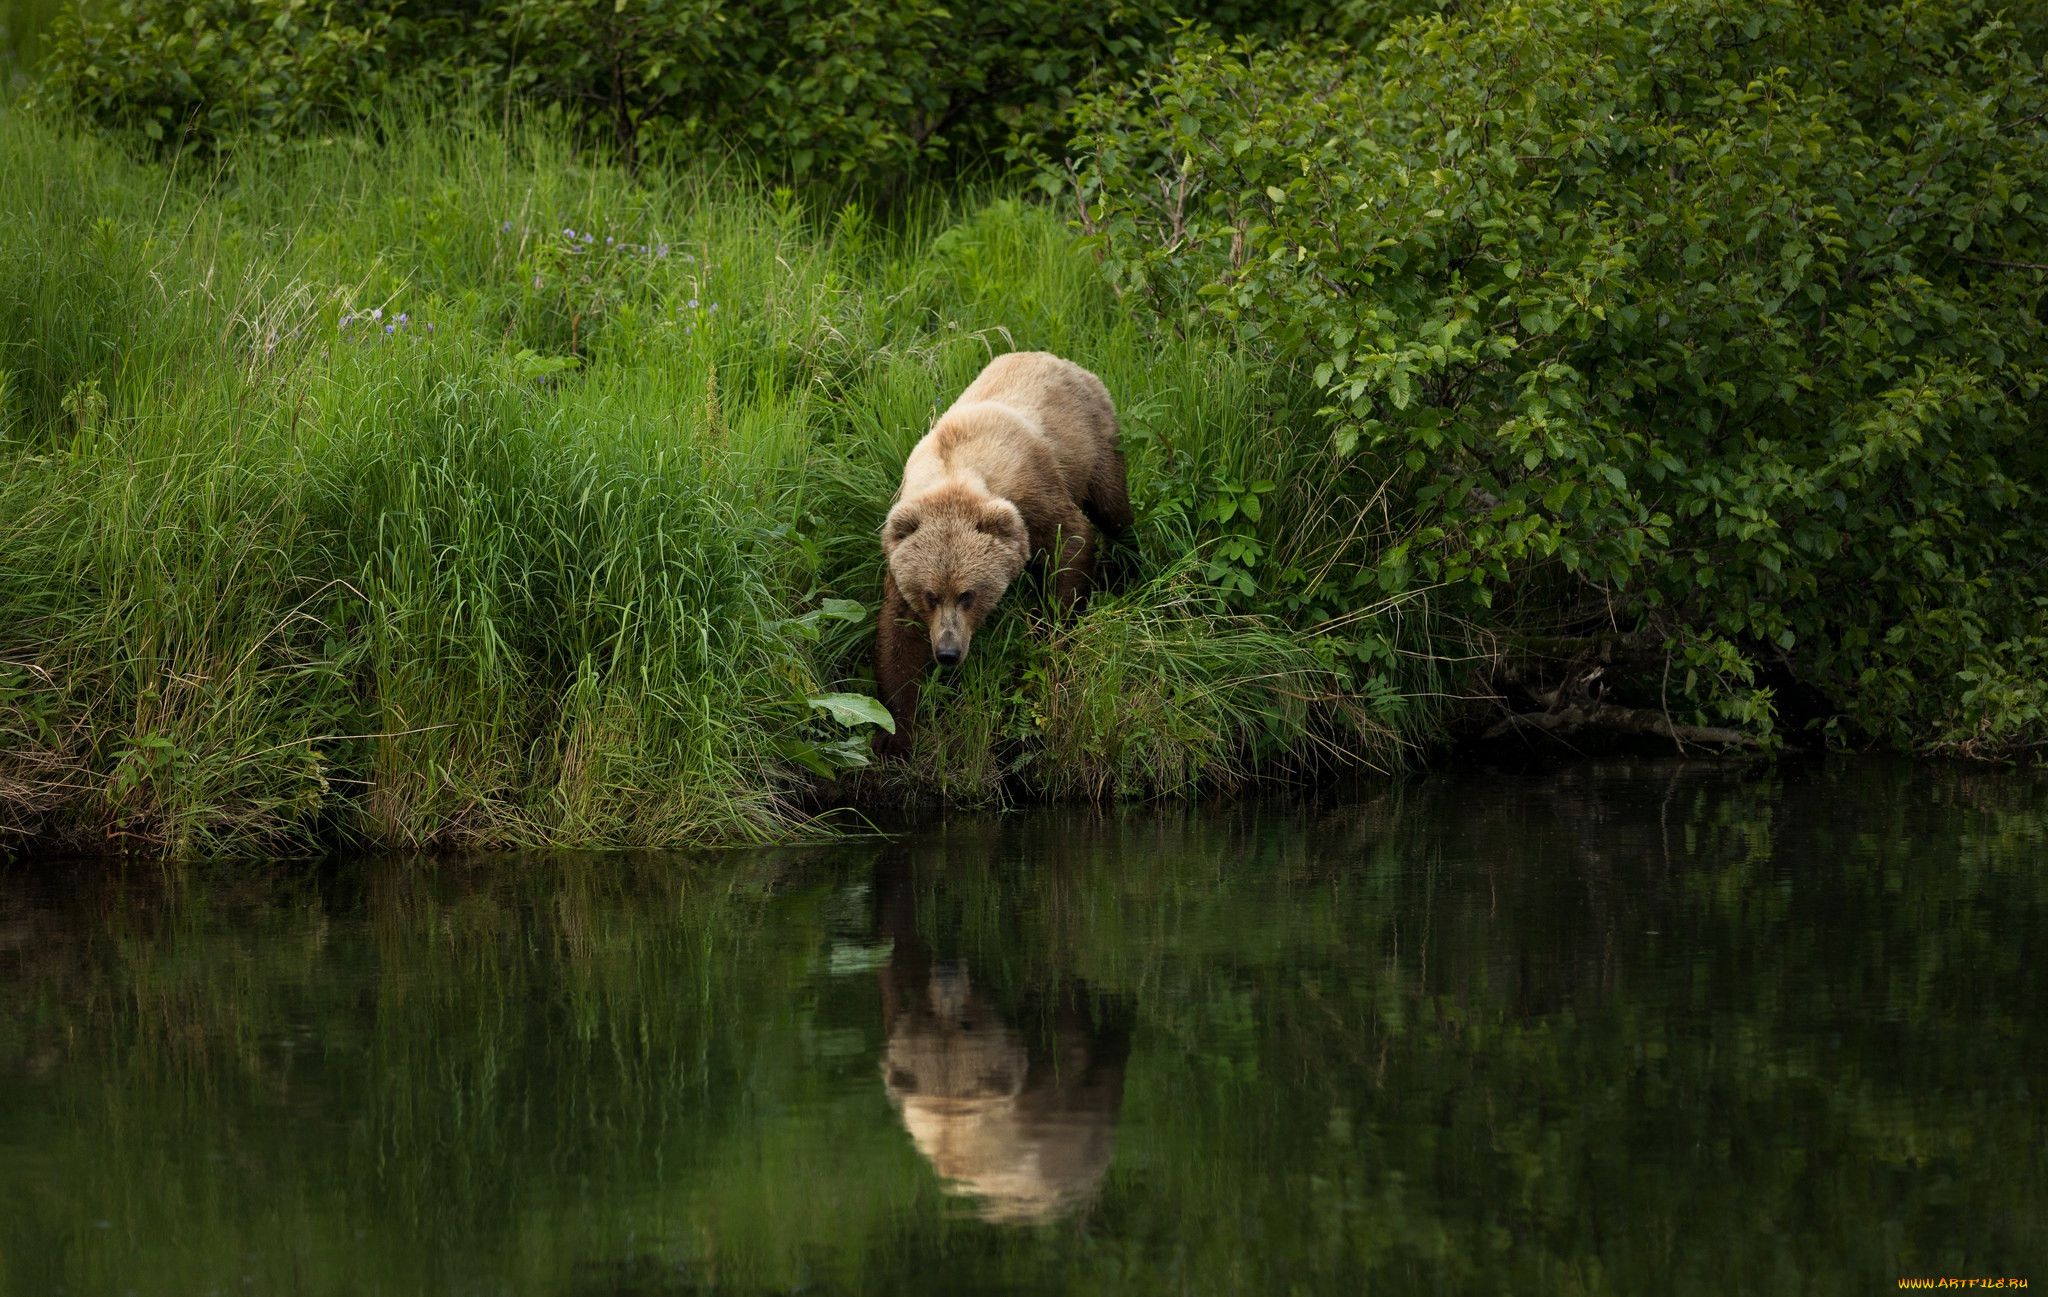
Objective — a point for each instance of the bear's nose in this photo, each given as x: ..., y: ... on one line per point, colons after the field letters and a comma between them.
x: 948, y: 657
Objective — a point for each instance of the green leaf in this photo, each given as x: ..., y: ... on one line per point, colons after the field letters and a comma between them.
x: 806, y: 755
x: 855, y: 709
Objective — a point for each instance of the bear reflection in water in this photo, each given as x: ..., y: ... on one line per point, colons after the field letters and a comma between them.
x: 1023, y: 1122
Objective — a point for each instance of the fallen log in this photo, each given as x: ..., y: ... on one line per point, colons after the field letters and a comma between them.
x: 1566, y: 721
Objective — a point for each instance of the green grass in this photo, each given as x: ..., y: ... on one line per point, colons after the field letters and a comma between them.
x: 345, y: 496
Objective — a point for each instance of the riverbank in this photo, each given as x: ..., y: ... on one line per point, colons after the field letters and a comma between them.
x: 431, y: 486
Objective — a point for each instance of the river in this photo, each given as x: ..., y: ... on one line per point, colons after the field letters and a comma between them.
x: 1625, y: 1027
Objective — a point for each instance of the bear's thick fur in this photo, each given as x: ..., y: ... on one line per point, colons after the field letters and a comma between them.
x: 1025, y: 463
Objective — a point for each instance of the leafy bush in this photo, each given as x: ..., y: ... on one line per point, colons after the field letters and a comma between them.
x: 874, y: 90
x: 1718, y: 323
x: 269, y: 68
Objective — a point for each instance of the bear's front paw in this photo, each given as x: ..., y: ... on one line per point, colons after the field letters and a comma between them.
x: 891, y: 745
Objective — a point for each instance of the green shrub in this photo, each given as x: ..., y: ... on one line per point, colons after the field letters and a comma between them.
x: 1719, y: 323
x: 267, y: 68
x: 873, y: 91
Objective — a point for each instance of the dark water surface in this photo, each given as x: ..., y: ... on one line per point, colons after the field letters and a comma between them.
x: 1615, y: 1028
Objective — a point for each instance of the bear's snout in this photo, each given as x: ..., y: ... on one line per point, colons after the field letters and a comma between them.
x: 949, y: 648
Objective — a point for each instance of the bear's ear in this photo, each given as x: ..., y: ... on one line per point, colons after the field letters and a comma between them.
x: 1000, y: 518
x: 903, y: 520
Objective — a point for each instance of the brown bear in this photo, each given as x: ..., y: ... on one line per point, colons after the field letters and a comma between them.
x: 1013, y: 1100
x: 1026, y: 463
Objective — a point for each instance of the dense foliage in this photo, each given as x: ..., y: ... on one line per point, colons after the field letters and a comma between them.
x: 870, y: 90
x: 1718, y: 325
x: 1481, y: 365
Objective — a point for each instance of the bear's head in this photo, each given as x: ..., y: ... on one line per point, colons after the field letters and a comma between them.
x: 953, y: 554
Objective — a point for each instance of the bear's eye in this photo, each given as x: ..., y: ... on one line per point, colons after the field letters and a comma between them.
x: 967, y: 598
x: 930, y: 600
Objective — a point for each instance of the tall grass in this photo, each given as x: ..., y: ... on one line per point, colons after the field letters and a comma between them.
x: 432, y: 485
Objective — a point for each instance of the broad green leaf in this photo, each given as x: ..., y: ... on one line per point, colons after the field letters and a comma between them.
x: 855, y: 709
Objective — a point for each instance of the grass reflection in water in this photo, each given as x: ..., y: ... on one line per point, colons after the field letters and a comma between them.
x: 1627, y: 1028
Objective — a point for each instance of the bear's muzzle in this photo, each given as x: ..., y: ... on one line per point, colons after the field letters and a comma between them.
x: 950, y: 633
